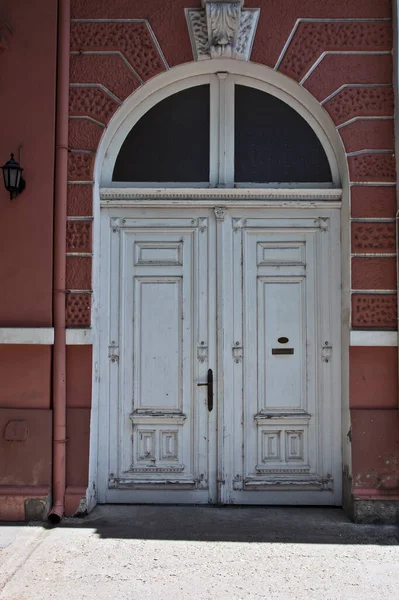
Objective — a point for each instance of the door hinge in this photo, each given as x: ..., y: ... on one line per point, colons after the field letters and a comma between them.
x: 237, y: 352
x: 113, y: 353
x: 326, y: 352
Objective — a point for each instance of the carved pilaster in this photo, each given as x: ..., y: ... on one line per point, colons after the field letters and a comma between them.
x: 222, y: 29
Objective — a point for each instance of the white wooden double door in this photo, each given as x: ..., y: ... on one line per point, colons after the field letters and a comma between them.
x: 252, y: 294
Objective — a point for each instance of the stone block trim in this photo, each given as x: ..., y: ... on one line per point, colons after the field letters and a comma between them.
x: 375, y: 448
x: 80, y: 200
x: 373, y: 377
x: 78, y: 273
x: 381, y: 511
x: 78, y: 310
x: 132, y: 39
x: 372, y: 167
x: 377, y: 311
x: 368, y: 134
x: 374, y: 237
x: 84, y: 134
x: 368, y: 202
x: 109, y: 70
x: 311, y: 39
x: 336, y: 70
x: 91, y: 102
x: 79, y: 234
x: 374, y: 273
x: 364, y: 101
x: 80, y: 166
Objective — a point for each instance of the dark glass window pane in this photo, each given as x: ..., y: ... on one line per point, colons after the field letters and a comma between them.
x: 170, y: 142
x: 273, y: 143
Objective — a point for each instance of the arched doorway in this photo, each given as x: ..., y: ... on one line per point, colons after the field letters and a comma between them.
x: 219, y: 297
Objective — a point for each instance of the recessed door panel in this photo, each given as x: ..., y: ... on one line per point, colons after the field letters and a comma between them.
x: 158, y: 343
x: 281, y: 365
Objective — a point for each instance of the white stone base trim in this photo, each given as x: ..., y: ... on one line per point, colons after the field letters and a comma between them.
x: 27, y: 335
x: 43, y: 336
x: 374, y: 338
x: 78, y: 337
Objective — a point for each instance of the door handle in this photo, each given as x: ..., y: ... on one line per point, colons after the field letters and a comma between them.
x: 209, y: 385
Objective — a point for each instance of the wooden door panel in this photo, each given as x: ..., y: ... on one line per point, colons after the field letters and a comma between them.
x: 161, y: 316
x: 284, y: 415
x: 269, y: 286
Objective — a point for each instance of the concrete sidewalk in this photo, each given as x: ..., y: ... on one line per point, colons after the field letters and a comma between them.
x: 143, y: 552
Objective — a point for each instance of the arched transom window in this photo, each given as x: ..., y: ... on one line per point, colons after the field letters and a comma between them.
x: 222, y: 131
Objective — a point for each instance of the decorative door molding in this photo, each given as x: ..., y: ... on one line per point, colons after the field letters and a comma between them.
x: 222, y: 29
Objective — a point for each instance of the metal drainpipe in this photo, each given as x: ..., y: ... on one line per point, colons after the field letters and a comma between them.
x: 395, y: 23
x: 60, y: 214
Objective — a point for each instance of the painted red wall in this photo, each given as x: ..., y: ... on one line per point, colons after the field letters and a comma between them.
x: 27, y: 106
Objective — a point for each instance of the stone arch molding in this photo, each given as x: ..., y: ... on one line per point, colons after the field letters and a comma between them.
x: 192, y: 74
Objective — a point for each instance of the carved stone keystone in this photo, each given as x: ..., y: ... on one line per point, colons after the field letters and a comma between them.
x: 222, y: 29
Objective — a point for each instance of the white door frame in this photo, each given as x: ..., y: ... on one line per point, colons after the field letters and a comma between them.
x: 134, y: 107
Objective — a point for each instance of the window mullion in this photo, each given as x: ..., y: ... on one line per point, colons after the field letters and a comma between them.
x: 214, y: 132
x: 226, y: 130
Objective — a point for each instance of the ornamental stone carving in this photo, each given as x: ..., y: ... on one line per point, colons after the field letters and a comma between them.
x: 220, y: 212
x: 222, y: 29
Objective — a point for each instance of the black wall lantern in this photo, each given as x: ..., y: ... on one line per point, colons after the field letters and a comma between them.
x: 13, y: 180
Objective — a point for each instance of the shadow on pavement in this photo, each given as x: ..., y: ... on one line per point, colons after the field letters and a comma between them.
x: 305, y: 525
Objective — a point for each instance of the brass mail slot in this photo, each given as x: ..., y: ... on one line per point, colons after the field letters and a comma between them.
x: 282, y: 350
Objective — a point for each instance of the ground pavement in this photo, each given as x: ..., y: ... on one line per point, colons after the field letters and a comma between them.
x: 144, y: 552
